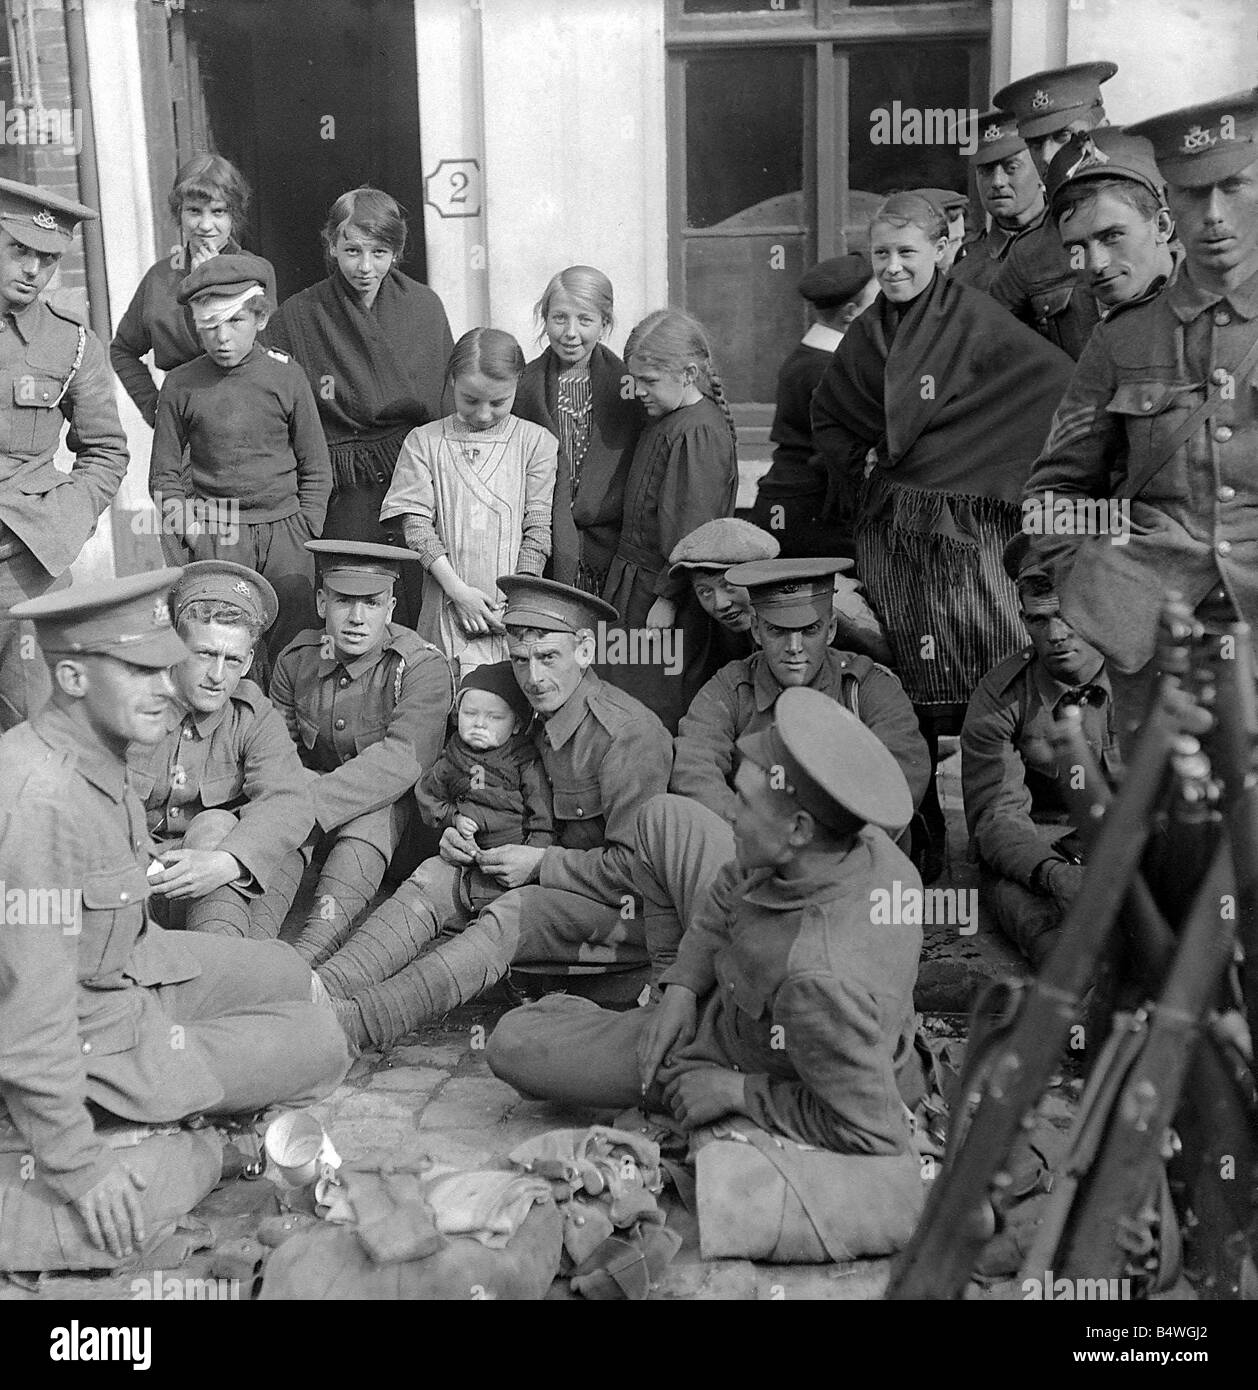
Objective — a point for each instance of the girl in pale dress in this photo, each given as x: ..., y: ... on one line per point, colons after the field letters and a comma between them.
x: 474, y: 493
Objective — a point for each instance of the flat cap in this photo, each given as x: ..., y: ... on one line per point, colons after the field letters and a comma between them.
x: 716, y: 545
x: 224, y: 581
x: 359, y: 567
x: 498, y: 678
x: 790, y: 593
x: 38, y: 219
x: 224, y: 277
x: 834, y: 766
x: 946, y: 199
x: 1048, y: 101
x: 998, y: 137
x: 551, y: 606
x: 1030, y: 574
x: 1107, y: 153
x: 837, y: 280
x: 127, y: 618
x: 1204, y: 144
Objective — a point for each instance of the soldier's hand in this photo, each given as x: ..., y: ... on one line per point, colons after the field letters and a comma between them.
x: 1063, y: 882
x: 466, y: 827
x: 512, y: 865
x: 113, y: 1212
x: 455, y: 848
x: 673, y: 1025
x: 192, y: 873
x: 705, y: 1094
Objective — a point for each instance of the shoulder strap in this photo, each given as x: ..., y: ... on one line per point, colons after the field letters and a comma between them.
x: 1201, y: 416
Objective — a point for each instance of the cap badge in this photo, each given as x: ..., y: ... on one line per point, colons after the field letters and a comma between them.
x: 161, y: 614
x: 241, y: 587
x: 790, y: 588
x: 991, y: 133
x: 45, y: 220
x: 1197, y: 139
x: 1040, y: 99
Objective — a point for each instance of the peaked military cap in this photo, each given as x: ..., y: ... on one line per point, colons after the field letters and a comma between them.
x: 790, y: 593
x: 834, y: 766
x: 835, y: 281
x: 223, y: 277
x: 998, y: 137
x: 1106, y: 153
x: 224, y: 581
x: 1048, y: 101
x: 946, y: 199
x: 716, y: 545
x: 1034, y: 580
x: 551, y: 606
x: 128, y: 618
x: 1204, y: 144
x: 38, y: 219
x: 359, y: 567
x: 498, y: 678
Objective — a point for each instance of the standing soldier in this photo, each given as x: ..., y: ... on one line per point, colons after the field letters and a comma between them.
x: 366, y: 703
x: 51, y: 369
x: 226, y: 797
x: 1012, y: 196
x: 1161, y: 410
x: 1037, y: 282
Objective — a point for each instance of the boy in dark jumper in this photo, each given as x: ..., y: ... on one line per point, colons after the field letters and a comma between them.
x: 489, y: 784
x: 240, y: 466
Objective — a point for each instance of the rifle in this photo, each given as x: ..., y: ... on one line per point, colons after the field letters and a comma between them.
x: 942, y: 1253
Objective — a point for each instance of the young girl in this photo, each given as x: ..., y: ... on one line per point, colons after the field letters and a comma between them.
x: 684, y: 472
x: 574, y: 390
x: 474, y: 493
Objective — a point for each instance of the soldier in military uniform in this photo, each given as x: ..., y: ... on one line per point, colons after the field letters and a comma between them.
x: 52, y: 370
x: 793, y: 620
x: 1108, y: 203
x: 786, y: 1004
x: 1019, y: 825
x: 101, y: 1010
x: 954, y: 206
x: 628, y: 862
x: 366, y: 703
x: 1161, y: 411
x: 225, y: 795
x: 1012, y: 196
x: 1037, y: 283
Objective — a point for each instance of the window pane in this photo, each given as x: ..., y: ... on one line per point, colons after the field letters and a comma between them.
x: 742, y: 289
x: 904, y: 102
x: 744, y: 138
x: 739, y: 6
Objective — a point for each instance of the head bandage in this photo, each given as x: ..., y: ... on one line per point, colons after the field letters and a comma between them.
x: 212, y: 310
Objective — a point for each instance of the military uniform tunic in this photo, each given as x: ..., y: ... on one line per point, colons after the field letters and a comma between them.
x: 46, y: 516
x: 239, y: 758
x: 1037, y: 284
x: 88, y: 1010
x: 985, y: 254
x: 739, y: 700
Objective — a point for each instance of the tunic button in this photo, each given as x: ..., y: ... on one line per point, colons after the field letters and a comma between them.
x: 187, y: 733
x: 1220, y: 376
x: 124, y: 897
x: 1146, y: 404
x: 45, y: 395
x: 87, y: 1047
x: 1222, y: 318
x: 1223, y: 433
x: 343, y: 681
x: 1225, y: 494
x: 580, y: 813
x: 340, y: 724
x: 1224, y: 547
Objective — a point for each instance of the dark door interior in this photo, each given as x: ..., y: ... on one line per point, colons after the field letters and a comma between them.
x: 310, y: 98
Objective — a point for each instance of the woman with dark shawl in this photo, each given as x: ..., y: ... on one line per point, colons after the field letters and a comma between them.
x: 949, y: 398
x: 575, y: 389
x: 374, y: 344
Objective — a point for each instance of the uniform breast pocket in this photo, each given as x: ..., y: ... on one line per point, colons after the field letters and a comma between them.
x: 221, y: 790
x: 1151, y: 413
x: 1050, y: 301
x: 35, y: 422
x: 307, y: 729
x: 368, y: 738
x: 113, y: 912
x: 751, y: 999
x: 579, y: 803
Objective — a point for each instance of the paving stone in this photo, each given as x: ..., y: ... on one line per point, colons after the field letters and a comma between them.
x: 354, y: 1139
x: 376, y: 1105
x: 445, y: 1056
x: 419, y: 1080
x: 471, y: 1103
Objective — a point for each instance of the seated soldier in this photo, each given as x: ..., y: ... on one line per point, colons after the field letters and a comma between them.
x: 785, y: 1004
x: 1028, y: 855
x: 607, y: 893
x: 100, y: 1009
x: 793, y: 619
x: 225, y: 795
x: 366, y: 703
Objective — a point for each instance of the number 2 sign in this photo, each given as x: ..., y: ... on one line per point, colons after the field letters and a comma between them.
x: 454, y: 188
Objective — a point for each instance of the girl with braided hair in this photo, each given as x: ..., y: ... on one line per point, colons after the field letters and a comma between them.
x: 684, y: 472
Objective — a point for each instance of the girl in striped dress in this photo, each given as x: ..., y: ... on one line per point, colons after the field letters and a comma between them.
x: 580, y: 391
x: 474, y: 493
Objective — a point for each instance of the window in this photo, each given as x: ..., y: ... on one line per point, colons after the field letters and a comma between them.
x: 788, y: 123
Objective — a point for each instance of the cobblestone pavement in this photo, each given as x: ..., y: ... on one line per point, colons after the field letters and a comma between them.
x: 434, y: 1095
